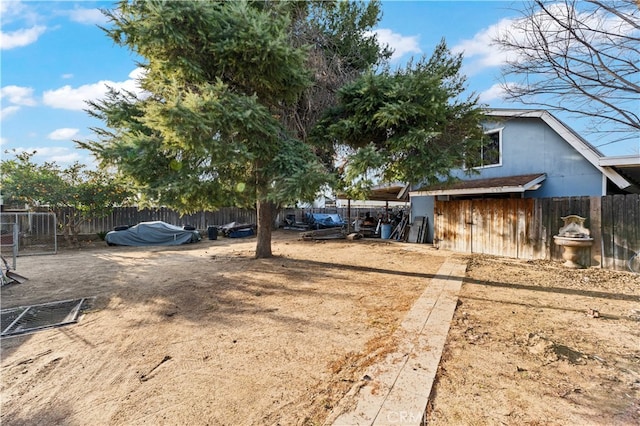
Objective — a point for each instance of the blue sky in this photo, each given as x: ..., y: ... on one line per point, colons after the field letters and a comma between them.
x: 53, y: 57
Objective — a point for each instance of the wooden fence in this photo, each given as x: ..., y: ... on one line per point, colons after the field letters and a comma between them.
x: 201, y: 220
x: 524, y: 228
x: 39, y: 226
x: 519, y: 228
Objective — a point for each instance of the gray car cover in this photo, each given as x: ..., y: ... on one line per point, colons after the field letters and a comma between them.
x: 156, y: 233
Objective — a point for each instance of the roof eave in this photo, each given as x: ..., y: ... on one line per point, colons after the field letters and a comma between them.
x: 505, y: 189
x: 620, y: 161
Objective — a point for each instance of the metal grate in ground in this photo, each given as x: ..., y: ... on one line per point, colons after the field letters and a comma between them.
x: 28, y: 319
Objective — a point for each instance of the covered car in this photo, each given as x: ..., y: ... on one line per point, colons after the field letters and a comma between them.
x: 155, y: 233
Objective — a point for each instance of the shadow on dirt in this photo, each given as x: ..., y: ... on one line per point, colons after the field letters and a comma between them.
x: 559, y: 290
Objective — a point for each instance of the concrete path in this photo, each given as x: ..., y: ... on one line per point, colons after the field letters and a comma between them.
x: 395, y: 391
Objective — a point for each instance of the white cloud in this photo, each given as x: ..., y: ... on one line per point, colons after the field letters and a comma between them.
x: 67, y: 76
x: 88, y: 16
x: 20, y: 38
x: 64, y: 133
x: 137, y: 73
x: 71, y: 98
x: 7, y: 111
x: 18, y: 95
x: 494, y: 92
x: 401, y: 45
x: 5, y: 6
x: 481, y: 52
x: 3, y: 141
x: 10, y: 10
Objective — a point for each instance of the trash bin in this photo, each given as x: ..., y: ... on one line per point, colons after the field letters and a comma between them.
x: 385, y: 232
x: 213, y: 232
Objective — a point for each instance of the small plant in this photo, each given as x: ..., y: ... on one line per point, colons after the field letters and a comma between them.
x: 101, y: 235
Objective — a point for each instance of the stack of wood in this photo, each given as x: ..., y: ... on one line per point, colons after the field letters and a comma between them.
x: 324, y: 234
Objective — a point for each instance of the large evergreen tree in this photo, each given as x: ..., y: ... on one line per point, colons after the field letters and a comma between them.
x: 224, y: 118
x: 413, y: 125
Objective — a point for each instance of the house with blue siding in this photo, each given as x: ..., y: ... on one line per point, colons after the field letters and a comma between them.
x: 531, y: 154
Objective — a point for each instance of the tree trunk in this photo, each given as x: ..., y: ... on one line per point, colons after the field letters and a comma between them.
x: 265, y: 210
x: 75, y: 234
x: 65, y: 234
x: 70, y: 227
x: 66, y: 227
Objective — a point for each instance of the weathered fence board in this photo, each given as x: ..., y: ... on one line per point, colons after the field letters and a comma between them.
x: 619, y: 249
x: 466, y: 222
x: 624, y: 238
x: 595, y: 217
x: 537, y: 232
x: 634, y: 231
x: 511, y: 231
x: 524, y: 228
x: 607, y: 233
x: 458, y: 227
x: 499, y: 221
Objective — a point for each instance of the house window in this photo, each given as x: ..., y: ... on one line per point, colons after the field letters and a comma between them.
x: 490, y: 154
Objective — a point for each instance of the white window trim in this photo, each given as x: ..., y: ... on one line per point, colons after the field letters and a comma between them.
x: 499, y: 164
x: 490, y: 132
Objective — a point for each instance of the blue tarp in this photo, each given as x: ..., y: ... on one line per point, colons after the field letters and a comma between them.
x: 240, y: 233
x: 325, y: 220
x: 156, y: 233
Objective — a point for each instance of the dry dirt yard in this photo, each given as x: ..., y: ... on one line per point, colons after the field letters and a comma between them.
x: 535, y: 343
x: 206, y: 334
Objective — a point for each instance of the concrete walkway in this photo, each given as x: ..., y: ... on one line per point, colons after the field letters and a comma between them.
x: 395, y: 391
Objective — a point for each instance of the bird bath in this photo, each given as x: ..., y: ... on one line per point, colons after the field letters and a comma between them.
x: 574, y: 237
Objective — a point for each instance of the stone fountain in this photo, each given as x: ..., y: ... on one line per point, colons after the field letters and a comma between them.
x: 575, y: 238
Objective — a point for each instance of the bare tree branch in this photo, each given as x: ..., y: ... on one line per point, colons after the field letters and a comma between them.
x: 582, y: 57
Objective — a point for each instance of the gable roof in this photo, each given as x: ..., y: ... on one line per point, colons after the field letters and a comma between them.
x: 588, y: 151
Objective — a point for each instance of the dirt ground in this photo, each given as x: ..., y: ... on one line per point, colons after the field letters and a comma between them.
x: 205, y: 334
x: 535, y: 343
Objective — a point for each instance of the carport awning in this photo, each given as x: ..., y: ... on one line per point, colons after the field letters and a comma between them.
x: 501, y: 185
x: 627, y: 166
x: 393, y: 192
